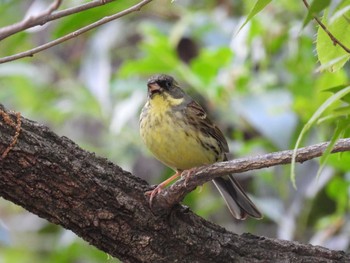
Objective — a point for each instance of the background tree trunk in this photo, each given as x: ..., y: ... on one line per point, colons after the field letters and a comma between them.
x: 52, y: 177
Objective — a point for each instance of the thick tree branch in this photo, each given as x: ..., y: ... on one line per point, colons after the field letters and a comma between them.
x: 31, y: 52
x: 105, y: 205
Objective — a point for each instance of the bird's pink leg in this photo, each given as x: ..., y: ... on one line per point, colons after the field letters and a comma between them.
x: 187, y: 174
x: 160, y: 187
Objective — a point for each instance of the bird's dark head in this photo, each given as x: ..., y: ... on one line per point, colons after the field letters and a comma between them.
x: 164, y: 85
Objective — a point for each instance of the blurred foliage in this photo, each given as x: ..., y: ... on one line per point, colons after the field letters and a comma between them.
x: 262, y: 85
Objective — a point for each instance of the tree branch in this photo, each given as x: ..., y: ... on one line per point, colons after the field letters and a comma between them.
x: 47, y: 16
x: 176, y: 192
x: 52, y: 177
x: 31, y: 52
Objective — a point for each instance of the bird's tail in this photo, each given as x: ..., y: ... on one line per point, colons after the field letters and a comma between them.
x: 236, y: 199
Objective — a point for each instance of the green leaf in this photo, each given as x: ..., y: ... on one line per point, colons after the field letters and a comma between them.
x: 336, y: 97
x: 332, y: 63
x: 340, y: 112
x: 335, y: 89
x: 341, y: 11
x: 315, y: 7
x: 329, y: 51
x: 339, y: 132
x: 259, y: 5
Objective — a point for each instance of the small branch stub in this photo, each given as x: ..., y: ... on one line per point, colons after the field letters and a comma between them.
x: 17, y: 126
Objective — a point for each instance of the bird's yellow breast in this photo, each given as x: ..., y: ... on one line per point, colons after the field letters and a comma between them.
x: 171, y: 138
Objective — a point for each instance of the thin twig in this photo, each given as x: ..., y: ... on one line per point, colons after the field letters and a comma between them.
x: 325, y: 29
x: 176, y: 192
x: 47, y: 16
x: 76, y: 33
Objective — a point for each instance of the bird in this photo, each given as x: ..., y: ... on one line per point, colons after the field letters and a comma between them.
x: 179, y: 133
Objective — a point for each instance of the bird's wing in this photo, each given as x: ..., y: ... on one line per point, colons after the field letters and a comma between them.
x: 206, y: 125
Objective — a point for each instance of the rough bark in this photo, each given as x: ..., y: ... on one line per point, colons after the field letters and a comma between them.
x: 54, y: 178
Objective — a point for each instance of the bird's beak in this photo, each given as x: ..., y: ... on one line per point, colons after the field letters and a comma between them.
x: 153, y: 88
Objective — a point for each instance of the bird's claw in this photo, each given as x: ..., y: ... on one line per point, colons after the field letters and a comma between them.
x: 153, y: 193
x: 187, y: 174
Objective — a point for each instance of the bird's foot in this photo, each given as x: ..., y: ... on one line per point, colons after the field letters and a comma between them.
x: 153, y: 193
x: 160, y: 187
x: 187, y: 174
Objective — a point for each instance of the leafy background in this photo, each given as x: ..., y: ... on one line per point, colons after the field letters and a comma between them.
x: 275, y: 81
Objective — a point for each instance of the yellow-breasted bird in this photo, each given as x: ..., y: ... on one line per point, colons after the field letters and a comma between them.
x: 178, y: 132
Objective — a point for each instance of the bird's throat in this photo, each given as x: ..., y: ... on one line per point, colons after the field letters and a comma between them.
x: 163, y: 102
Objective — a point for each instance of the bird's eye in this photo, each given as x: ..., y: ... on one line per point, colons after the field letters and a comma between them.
x: 167, y: 84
